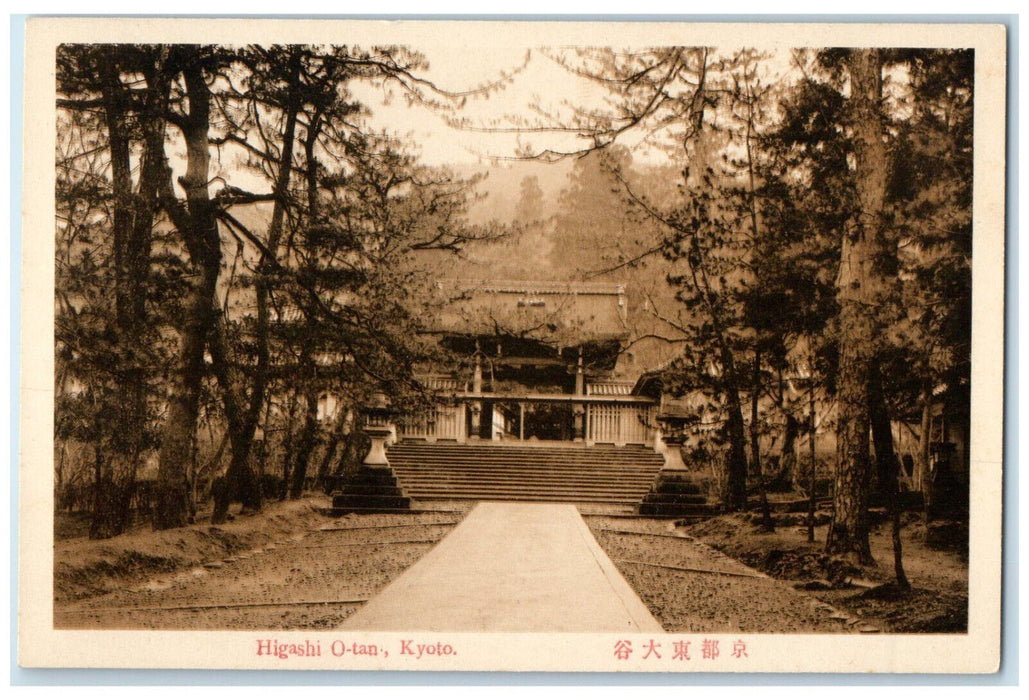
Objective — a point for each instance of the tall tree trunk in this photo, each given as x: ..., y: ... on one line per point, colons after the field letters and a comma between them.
x: 924, y: 464
x: 887, y: 468
x: 131, y: 260
x: 145, y: 205
x: 288, y: 446
x: 859, y: 291
x: 197, y: 225
x: 132, y: 228
x: 116, y: 420
x: 242, y: 483
x: 239, y: 480
x: 338, y: 431
x: 755, y: 447
x: 735, y: 495
x: 354, y: 447
x: 814, y: 465
x: 305, y: 446
x: 309, y: 433
x: 99, y: 526
x: 138, y: 249
x: 121, y: 178
x: 735, y: 489
x: 788, y: 476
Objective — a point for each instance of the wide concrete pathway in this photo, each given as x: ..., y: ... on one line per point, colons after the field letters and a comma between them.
x: 511, y: 567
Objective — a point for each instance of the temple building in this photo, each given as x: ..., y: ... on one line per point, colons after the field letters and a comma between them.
x: 535, y: 402
x: 534, y: 361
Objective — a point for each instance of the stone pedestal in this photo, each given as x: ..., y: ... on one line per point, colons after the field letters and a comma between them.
x: 374, y: 487
x: 378, y: 433
x: 677, y: 492
x: 669, y: 446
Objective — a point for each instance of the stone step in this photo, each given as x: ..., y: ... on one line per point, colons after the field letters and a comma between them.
x: 675, y: 498
x: 541, y: 497
x: 676, y: 510
x: 527, y: 446
x: 416, y: 489
x: 638, y: 490
x: 416, y: 486
x: 498, y: 448
x: 579, y: 457
x: 683, y: 488
x: 455, y: 484
x: 527, y: 468
x: 366, y: 501
x: 458, y: 477
x: 545, y: 475
x: 522, y: 461
x: 372, y: 490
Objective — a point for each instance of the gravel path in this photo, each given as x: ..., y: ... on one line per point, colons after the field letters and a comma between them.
x: 318, y: 577
x: 311, y: 580
x: 708, y: 591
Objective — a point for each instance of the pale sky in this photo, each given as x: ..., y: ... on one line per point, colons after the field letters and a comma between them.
x: 458, y: 67
x: 455, y: 69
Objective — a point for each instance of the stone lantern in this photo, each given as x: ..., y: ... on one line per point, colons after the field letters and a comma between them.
x: 378, y: 427
x: 374, y: 487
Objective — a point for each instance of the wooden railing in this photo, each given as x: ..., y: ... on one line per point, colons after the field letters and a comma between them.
x: 439, y: 423
x: 618, y: 423
x: 617, y: 420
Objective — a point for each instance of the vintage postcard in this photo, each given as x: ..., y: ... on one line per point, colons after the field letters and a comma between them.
x: 512, y: 346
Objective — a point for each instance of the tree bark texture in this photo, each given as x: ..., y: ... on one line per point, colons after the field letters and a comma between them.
x: 133, y: 216
x: 198, y: 227
x: 888, y: 469
x: 239, y: 480
x: 242, y: 483
x: 813, y: 472
x: 306, y: 444
x: 288, y: 441
x: 735, y: 495
x: 338, y: 432
x: 924, y: 481
x: 755, y: 446
x: 107, y: 518
x: 859, y: 289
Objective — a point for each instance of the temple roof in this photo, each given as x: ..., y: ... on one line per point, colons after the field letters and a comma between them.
x: 558, y: 313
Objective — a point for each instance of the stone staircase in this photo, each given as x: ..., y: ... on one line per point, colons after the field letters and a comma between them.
x: 569, y: 473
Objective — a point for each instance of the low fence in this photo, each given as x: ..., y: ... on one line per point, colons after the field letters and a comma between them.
x: 607, y: 420
x: 437, y: 423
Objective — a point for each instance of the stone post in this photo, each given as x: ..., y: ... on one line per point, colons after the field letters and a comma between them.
x: 578, y: 410
x: 476, y: 406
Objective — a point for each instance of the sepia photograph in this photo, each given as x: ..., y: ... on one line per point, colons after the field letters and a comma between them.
x: 512, y: 346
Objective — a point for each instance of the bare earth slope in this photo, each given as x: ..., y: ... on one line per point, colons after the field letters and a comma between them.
x: 290, y: 567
